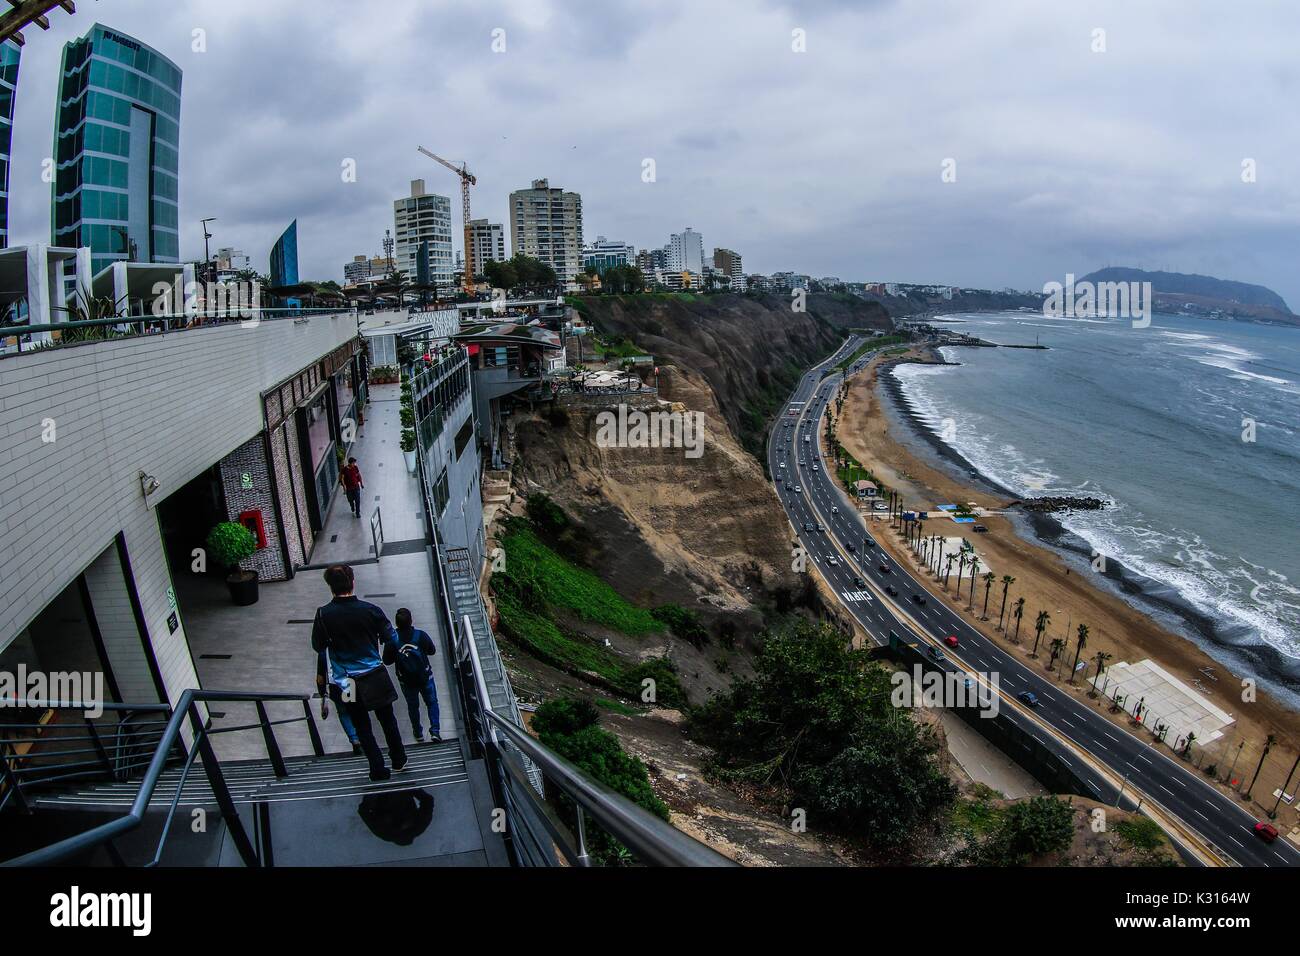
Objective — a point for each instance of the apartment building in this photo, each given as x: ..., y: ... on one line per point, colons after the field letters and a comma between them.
x: 546, y: 223
x: 422, y: 228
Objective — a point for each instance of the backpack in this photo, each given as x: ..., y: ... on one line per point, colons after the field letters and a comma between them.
x: 412, y: 664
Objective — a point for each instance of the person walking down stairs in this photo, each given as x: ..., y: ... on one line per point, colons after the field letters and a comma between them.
x: 412, y: 653
x: 352, y: 631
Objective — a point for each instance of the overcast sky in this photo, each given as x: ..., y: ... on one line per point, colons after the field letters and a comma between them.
x: 827, y: 161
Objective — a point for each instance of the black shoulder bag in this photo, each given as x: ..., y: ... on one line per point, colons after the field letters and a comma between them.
x: 373, y: 689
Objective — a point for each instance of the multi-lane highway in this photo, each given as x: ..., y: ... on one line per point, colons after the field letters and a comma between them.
x: 841, y: 546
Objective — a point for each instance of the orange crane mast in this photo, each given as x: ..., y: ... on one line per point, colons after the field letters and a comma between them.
x: 467, y: 179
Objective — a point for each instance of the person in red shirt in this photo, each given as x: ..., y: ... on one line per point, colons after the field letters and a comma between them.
x: 352, y: 485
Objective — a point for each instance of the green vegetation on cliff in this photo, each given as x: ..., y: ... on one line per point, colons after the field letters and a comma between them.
x: 816, y: 728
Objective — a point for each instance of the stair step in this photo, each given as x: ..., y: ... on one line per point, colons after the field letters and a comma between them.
x: 255, y: 781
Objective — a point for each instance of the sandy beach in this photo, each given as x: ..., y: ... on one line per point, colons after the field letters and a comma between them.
x: 881, y: 438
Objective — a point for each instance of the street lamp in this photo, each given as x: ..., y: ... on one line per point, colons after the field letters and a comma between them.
x: 207, y: 258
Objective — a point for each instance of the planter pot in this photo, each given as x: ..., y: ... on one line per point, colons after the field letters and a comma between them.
x: 410, y: 461
x: 243, y: 587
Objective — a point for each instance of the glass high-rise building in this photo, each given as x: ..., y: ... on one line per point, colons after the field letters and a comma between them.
x: 284, y: 258
x: 117, y: 135
x: 9, y: 53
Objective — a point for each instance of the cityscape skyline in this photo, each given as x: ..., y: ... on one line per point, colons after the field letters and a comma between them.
x: 885, y: 214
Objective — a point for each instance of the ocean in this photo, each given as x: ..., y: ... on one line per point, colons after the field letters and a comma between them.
x: 1152, y: 420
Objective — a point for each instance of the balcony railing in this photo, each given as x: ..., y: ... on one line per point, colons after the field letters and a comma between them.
x: 80, y: 332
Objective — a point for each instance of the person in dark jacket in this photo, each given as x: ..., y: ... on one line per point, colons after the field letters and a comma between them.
x: 352, y: 631
x: 414, y: 675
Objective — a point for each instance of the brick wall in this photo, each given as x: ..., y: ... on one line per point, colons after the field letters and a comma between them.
x: 250, y: 459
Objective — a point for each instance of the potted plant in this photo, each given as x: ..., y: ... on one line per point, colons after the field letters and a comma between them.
x: 229, y: 543
x: 408, y: 448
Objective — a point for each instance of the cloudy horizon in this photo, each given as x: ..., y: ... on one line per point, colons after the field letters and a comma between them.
x: 828, y: 161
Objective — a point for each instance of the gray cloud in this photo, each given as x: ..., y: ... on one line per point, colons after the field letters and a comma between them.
x: 825, y: 162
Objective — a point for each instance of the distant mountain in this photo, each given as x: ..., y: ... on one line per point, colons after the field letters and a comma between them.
x: 1205, y: 295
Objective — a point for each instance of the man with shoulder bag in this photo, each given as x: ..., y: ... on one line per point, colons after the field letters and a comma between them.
x: 353, y: 631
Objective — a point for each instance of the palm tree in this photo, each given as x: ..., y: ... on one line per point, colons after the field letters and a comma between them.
x: 988, y: 586
x: 1079, y: 645
x: 948, y: 571
x: 1268, y: 745
x: 1017, y: 612
x: 1101, y: 658
x: 1057, y: 645
x: 974, y: 570
x: 1040, y: 625
x: 1007, y: 581
x: 961, y: 566
x: 938, y: 564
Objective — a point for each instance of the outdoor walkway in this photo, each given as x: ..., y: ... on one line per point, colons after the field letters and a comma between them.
x: 388, y: 490
x: 266, y: 647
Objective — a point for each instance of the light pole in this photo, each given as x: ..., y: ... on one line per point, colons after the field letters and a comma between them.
x: 207, y: 258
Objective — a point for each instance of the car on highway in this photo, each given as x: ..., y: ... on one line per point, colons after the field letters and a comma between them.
x: 883, y: 568
x: 1028, y: 698
x: 1266, y: 831
x: 782, y: 465
x: 833, y: 561
x: 951, y: 640
x: 936, y: 652
x: 809, y: 526
x: 891, y: 590
x: 857, y: 580
x: 852, y: 548
x: 918, y: 599
x: 868, y: 541
x: 834, y: 509
x: 798, y: 490
x: 819, y: 526
x: 778, y: 479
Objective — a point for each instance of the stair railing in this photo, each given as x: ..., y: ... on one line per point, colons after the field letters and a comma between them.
x: 167, y: 748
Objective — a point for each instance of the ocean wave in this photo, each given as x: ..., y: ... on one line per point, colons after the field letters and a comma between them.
x: 1263, y: 604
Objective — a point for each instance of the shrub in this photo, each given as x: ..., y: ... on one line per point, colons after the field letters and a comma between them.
x: 546, y: 515
x: 683, y: 622
x: 816, y: 728
x: 408, y: 439
x: 1028, y: 829
x: 569, y: 727
x: 564, y: 715
x: 667, y: 688
x: 229, y: 543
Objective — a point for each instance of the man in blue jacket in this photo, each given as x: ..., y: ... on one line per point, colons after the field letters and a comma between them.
x: 353, y: 631
x: 411, y: 654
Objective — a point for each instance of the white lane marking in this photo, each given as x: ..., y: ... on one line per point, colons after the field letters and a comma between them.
x: 1094, y: 786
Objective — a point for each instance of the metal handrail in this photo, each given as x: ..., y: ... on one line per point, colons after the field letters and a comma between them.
x: 651, y: 839
x: 186, y: 708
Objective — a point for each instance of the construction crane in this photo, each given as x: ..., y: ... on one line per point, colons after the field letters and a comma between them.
x: 466, y: 180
